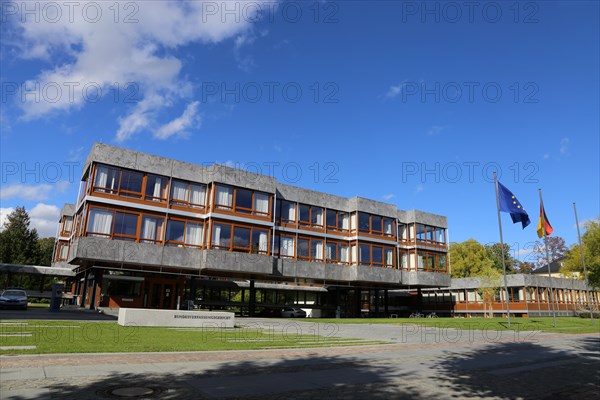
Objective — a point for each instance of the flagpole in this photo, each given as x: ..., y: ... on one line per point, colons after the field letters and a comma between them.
x: 547, y: 257
x: 587, y: 289
x: 502, y: 250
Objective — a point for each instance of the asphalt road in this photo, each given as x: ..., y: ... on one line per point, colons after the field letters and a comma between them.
x: 420, y: 363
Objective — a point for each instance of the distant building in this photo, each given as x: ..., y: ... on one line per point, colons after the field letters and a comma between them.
x: 555, y: 267
x: 153, y: 232
x: 529, y: 296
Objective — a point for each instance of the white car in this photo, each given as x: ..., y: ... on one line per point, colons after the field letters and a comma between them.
x: 291, y: 312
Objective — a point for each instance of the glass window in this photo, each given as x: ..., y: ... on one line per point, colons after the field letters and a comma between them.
x: 304, y: 213
x: 420, y: 232
x: 67, y: 224
x: 131, y: 182
x: 388, y: 226
x: 317, y: 216
x: 107, y: 179
x: 288, y: 211
x: 260, y: 241
x: 343, y: 221
x: 303, y: 248
x: 243, y: 200
x: 194, y: 233
x: 156, y: 188
x: 197, y: 195
x: 344, y: 253
x: 376, y: 223
x: 221, y: 235
x: 224, y: 197
x: 377, y: 255
x: 316, y: 249
x: 364, y: 254
x: 440, y: 236
x: 430, y: 234
x: 331, y: 218
x: 363, y: 222
x: 331, y: 252
x: 125, y: 224
x: 261, y: 203
x: 175, y: 231
x: 241, y: 237
x: 388, y: 257
x: 151, y: 229
x: 287, y: 246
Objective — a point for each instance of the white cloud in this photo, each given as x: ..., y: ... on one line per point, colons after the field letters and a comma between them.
x: 32, y: 192
x: 394, y: 91
x: 188, y: 119
x: 435, y: 130
x: 44, y: 218
x: 564, y: 146
x: 26, y: 192
x: 388, y: 196
x: 109, y: 54
x: 4, y: 212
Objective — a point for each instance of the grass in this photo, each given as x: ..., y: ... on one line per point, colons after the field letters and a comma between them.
x: 51, y: 337
x: 544, y: 324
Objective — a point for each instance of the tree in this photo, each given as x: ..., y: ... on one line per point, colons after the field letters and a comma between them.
x: 490, y: 281
x: 525, y: 267
x: 557, y: 248
x: 18, y: 243
x: 495, y: 254
x: 468, y: 258
x: 591, y: 251
x: 45, y: 250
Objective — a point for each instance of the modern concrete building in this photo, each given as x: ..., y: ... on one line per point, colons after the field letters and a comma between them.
x: 529, y: 296
x: 148, y: 231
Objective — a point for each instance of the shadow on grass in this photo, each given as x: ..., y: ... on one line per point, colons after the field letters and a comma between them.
x: 524, y: 370
x: 312, y: 377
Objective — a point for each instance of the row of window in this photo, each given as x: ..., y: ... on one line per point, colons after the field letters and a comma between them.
x: 148, y: 187
x: 148, y: 228
x: 514, y: 294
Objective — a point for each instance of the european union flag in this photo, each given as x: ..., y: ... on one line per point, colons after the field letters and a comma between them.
x: 510, y: 204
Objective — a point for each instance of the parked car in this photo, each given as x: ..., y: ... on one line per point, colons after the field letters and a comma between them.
x: 270, y: 313
x: 291, y: 312
x: 13, y: 298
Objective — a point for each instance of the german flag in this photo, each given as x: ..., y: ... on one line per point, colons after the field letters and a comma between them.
x: 544, y: 228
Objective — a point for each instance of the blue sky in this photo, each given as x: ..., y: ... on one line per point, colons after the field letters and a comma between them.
x: 413, y: 103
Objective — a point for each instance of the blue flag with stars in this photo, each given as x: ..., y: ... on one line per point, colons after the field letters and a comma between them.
x: 510, y: 204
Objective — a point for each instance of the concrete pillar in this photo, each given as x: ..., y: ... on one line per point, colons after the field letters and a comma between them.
x: 252, y: 300
x: 94, y: 289
x: 84, y: 288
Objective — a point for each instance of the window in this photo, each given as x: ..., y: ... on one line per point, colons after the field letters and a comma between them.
x: 375, y: 255
x: 125, y: 226
x: 343, y: 219
x: 100, y: 222
x: 388, y: 227
x: 131, y: 183
x: 246, y: 201
x: 184, y: 233
x: 310, y: 249
x: 376, y: 225
x: 107, y: 179
x: 156, y: 188
x: 63, y: 251
x: 420, y: 232
x: 288, y: 212
x: 151, y: 229
x: 188, y: 194
x: 286, y: 246
x: 364, y: 225
x: 67, y: 225
x: 240, y: 238
x: 224, y: 197
x: 337, y: 220
x: 311, y: 216
x: 243, y: 200
x: 331, y: 219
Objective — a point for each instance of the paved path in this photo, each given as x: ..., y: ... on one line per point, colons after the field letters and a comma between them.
x: 421, y: 363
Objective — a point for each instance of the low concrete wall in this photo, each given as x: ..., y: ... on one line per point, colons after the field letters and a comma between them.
x: 175, y: 318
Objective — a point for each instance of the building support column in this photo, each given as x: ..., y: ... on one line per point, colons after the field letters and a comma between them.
x: 84, y: 288
x: 376, y: 295
x: 252, y: 300
x: 94, y: 289
x: 419, y: 300
x: 357, y: 299
x: 386, y: 302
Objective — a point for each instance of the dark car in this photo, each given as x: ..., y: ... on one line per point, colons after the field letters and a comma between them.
x: 270, y: 313
x: 13, y: 298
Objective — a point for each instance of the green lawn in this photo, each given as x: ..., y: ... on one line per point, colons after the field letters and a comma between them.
x: 91, y: 337
x: 545, y: 324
